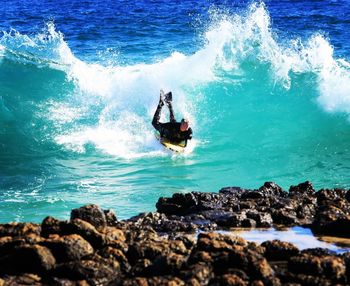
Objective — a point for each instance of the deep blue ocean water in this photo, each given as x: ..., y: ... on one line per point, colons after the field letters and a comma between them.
x: 266, y: 86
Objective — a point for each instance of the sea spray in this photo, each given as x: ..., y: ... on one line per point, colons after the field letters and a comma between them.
x: 76, y: 130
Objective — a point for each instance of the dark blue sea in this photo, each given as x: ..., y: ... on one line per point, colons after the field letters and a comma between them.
x: 265, y: 85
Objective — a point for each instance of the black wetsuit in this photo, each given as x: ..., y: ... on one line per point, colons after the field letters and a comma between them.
x: 170, y: 130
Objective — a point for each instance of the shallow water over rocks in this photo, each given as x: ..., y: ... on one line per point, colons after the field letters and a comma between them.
x: 301, y: 237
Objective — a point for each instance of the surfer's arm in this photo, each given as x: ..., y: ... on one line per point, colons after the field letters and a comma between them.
x: 171, y: 112
x: 155, y: 122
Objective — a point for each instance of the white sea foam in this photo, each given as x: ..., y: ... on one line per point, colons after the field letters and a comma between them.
x: 250, y: 36
x: 127, y: 95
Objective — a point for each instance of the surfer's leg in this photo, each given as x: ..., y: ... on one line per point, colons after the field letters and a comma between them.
x: 171, y: 112
x: 156, y: 117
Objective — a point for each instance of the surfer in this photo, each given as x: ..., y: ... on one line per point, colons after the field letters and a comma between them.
x: 176, y: 132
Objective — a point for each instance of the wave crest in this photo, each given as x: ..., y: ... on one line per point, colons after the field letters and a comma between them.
x: 120, y: 100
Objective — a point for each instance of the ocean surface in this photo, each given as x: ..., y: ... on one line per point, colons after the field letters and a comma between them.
x: 266, y: 86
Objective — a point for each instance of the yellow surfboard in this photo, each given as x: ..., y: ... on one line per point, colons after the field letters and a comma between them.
x: 170, y: 145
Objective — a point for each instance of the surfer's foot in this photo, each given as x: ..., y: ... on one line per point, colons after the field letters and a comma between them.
x: 168, y: 97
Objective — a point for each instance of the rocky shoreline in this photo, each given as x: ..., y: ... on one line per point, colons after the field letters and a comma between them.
x: 178, y: 244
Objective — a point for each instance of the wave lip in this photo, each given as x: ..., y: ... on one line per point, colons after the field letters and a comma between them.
x: 119, y: 101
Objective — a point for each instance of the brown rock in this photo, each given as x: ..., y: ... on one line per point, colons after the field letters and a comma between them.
x: 285, y: 217
x: 87, y: 231
x: 111, y: 217
x: 169, y: 264
x: 68, y: 247
x: 96, y: 271
x: 262, y: 219
x: 259, y: 267
x: 229, y: 280
x: 305, y: 264
x: 138, y: 281
x: 92, y: 214
x: 116, y: 254
x: 141, y: 267
x: 201, y: 273
x: 147, y: 249
x: 27, y: 258
x: 112, y: 233
x: 279, y: 250
x: 218, y: 242
x: 333, y: 267
x: 66, y: 282
x: 25, y: 279
x: 178, y: 246
x: 166, y: 281
x: 272, y: 189
x: 303, y: 189
x: 330, y: 195
x: 200, y: 256
x: 50, y: 225
x: 19, y: 229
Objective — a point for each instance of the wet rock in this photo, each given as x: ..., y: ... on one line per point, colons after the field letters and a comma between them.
x: 284, y: 217
x: 8, y: 244
x: 160, y: 222
x: 184, y: 204
x: 305, y: 264
x: 331, y: 267
x: 302, y: 190
x: 334, y: 268
x: 305, y: 213
x: 252, y: 194
x: 224, y: 218
x: 171, y: 281
x: 330, y: 195
x: 199, y: 256
x: 214, y: 242
x: 87, y: 231
x: 248, y: 222
x: 347, y: 195
x: 318, y: 251
x: 169, y: 264
x: 177, y: 246
x: 332, y: 220
x: 19, y: 229
x: 279, y: 250
x: 147, y: 250
x: 25, y: 279
x: 229, y: 280
x: 111, y: 217
x: 50, y: 225
x: 28, y: 258
x: 68, y: 247
x: 93, y: 248
x: 188, y: 240
x: 258, y: 267
x: 96, y: 270
x: 236, y: 192
x: 197, y: 274
x: 138, y: 281
x: 247, y: 205
x: 66, y: 282
x: 116, y: 254
x: 262, y: 219
x: 272, y: 189
x: 92, y: 214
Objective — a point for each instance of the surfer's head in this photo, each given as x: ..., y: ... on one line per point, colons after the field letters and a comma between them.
x: 184, y: 124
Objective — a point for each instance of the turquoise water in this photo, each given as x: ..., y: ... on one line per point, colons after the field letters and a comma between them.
x: 265, y: 86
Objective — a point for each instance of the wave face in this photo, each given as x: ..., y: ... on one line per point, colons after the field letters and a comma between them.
x: 265, y: 103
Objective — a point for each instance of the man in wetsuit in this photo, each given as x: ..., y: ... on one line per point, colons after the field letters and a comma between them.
x: 176, y: 132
